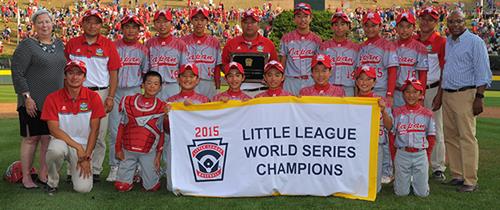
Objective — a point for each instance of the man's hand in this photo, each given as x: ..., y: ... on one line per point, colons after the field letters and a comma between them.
x: 436, y: 103
x: 108, y: 104
x: 80, y: 152
x: 119, y: 155
x: 30, y: 105
x: 477, y: 106
x: 84, y: 167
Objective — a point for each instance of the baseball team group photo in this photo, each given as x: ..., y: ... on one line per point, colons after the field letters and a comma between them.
x: 249, y: 105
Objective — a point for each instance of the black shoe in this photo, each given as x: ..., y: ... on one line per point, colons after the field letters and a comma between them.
x: 455, y: 182
x: 68, y: 179
x: 40, y: 182
x: 468, y: 188
x: 438, y: 176
x: 51, y: 190
x: 96, y: 178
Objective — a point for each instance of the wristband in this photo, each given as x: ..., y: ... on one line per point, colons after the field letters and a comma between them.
x: 479, y: 95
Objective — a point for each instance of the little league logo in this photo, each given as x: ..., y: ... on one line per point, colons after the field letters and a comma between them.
x: 208, y: 157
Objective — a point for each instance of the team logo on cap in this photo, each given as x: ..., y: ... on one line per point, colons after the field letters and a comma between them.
x: 208, y: 158
x: 405, y: 15
x: 370, y: 15
x: 428, y: 9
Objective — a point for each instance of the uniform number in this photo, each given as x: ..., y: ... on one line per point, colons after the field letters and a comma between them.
x: 207, y: 131
x: 174, y: 74
x: 379, y: 73
x: 411, y: 74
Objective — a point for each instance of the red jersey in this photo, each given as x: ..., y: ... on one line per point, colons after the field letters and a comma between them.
x: 327, y: 90
x: 231, y: 95
x: 273, y: 93
x: 191, y: 95
x: 241, y: 45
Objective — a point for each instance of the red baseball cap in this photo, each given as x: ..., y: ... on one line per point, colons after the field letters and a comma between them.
x: 131, y: 18
x: 189, y: 66
x: 302, y: 7
x: 323, y: 59
x: 252, y: 14
x: 429, y: 11
x: 165, y: 13
x: 368, y: 70
x: 199, y: 10
x: 76, y: 63
x: 406, y: 16
x: 339, y: 15
x: 274, y: 64
x: 92, y: 12
x: 234, y: 65
x: 374, y: 17
x: 415, y: 83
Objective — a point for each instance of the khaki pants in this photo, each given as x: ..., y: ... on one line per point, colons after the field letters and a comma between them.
x: 438, y: 152
x: 460, y: 135
x: 59, y: 151
x: 100, y: 146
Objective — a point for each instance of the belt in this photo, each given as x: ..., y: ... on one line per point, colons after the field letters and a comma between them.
x: 97, y: 88
x: 255, y: 89
x: 433, y: 85
x: 411, y: 149
x: 304, y: 77
x: 460, y: 89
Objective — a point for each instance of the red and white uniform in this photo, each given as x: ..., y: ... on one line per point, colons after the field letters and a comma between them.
x: 412, y: 58
x: 327, y: 90
x: 412, y: 125
x: 141, y: 124
x: 191, y: 95
x: 166, y: 55
x: 231, y: 95
x: 99, y: 57
x: 135, y: 62
x: 205, y: 52
x: 73, y: 115
x: 273, y: 93
x: 344, y: 56
x: 299, y: 50
x: 380, y: 54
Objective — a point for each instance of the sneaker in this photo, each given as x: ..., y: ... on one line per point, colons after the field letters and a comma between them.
x: 438, y: 176
x: 51, y: 190
x: 468, y: 188
x: 386, y: 179
x: 112, y: 174
x: 96, y: 178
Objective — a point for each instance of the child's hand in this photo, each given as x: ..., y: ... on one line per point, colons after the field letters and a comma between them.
x: 246, y: 99
x: 381, y: 104
x: 225, y: 99
x: 188, y: 102
x: 167, y: 108
x: 119, y: 155
x: 390, y: 100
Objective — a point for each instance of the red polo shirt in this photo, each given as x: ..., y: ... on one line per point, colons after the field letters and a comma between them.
x: 435, y: 44
x: 73, y: 115
x: 100, y: 57
x: 241, y: 45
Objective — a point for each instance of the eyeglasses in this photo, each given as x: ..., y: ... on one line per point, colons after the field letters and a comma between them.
x: 459, y: 21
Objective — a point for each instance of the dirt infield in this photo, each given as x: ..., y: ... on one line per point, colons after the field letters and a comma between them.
x: 8, y: 110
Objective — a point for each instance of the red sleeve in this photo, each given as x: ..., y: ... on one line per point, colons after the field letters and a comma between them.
x: 97, y: 106
x: 49, y: 110
x: 441, y: 54
x: 432, y: 141
x: 391, y: 80
x: 114, y: 62
x: 217, y: 74
x: 422, y: 76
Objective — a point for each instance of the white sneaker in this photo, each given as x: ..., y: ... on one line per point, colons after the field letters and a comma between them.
x: 386, y: 180
x: 112, y: 174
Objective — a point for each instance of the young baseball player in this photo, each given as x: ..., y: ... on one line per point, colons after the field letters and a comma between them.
x: 234, y: 75
x: 321, y: 72
x: 274, y: 77
x: 415, y: 137
x: 140, y: 137
x: 135, y: 63
x: 342, y: 51
x: 297, y: 49
x: 412, y: 56
x: 365, y: 81
x: 381, y: 54
x: 204, y: 51
x: 166, y: 53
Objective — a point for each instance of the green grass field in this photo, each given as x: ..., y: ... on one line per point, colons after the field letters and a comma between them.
x: 103, y: 196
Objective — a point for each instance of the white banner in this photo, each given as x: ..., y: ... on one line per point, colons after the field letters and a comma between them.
x: 275, y: 146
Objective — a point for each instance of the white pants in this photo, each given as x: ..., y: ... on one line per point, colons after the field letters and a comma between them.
x: 100, y: 146
x: 293, y: 85
x: 408, y: 165
x: 439, y: 150
x: 145, y: 161
x: 114, y: 120
x: 59, y: 151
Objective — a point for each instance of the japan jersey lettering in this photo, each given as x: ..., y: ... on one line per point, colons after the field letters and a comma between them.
x: 344, y: 57
x: 166, y: 55
x: 412, y: 58
x: 205, y: 52
x: 135, y: 62
x: 299, y: 51
x: 412, y: 127
x: 331, y: 90
x: 380, y: 54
